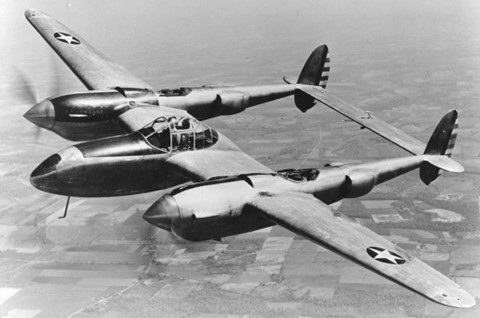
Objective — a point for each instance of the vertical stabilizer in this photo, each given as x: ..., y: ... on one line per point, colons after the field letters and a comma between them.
x: 315, y: 72
x: 441, y: 143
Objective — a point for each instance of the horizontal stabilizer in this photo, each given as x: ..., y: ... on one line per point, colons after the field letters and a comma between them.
x: 444, y: 163
x: 365, y: 119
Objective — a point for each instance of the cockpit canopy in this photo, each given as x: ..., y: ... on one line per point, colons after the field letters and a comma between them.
x: 178, y: 134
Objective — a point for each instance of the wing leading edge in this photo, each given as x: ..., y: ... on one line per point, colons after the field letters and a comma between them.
x: 92, y: 68
x: 310, y: 218
x: 365, y: 119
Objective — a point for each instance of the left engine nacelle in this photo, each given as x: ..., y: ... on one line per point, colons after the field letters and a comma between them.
x: 89, y: 115
x: 207, y: 210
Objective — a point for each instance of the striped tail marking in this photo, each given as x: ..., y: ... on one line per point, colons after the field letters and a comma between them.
x: 325, y: 72
x: 451, y: 141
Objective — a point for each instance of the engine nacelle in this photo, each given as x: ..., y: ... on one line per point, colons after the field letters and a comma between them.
x: 89, y: 115
x: 217, y: 198
x: 100, y: 105
x: 231, y: 102
x: 358, y: 183
x: 207, y: 210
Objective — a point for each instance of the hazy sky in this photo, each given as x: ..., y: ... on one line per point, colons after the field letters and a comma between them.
x: 242, y: 28
x: 233, y: 27
x: 172, y: 43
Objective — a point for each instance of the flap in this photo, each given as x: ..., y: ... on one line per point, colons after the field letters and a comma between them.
x: 205, y: 164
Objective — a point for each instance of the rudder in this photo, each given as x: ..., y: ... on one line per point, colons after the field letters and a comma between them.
x: 441, y: 143
x: 315, y: 72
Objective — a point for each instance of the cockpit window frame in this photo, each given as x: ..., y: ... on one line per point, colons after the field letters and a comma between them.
x: 183, y: 130
x: 155, y: 132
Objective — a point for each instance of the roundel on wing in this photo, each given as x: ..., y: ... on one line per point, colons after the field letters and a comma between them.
x: 66, y: 38
x: 385, y: 256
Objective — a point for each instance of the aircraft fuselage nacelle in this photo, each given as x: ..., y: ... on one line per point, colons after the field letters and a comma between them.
x: 95, y: 114
x: 89, y: 115
x: 207, y: 210
x: 86, y: 170
x: 126, y: 164
x: 217, y: 208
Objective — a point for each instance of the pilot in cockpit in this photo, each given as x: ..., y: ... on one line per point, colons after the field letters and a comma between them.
x: 179, y: 124
x: 183, y: 123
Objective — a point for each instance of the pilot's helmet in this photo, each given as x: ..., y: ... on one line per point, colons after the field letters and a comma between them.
x: 183, y: 123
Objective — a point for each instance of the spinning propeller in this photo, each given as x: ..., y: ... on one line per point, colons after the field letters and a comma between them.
x: 42, y: 113
x: 29, y: 96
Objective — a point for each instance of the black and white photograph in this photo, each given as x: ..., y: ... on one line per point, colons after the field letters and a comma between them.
x: 239, y: 159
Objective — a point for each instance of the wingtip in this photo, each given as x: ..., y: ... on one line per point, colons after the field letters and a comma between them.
x: 469, y: 303
x: 29, y: 13
x: 458, y: 299
x: 33, y: 13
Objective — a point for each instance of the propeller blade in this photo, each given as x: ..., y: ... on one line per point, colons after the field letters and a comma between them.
x: 38, y: 132
x: 58, y: 84
x: 28, y: 90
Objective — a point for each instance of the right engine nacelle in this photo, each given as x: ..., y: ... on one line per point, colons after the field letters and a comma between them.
x: 207, y: 210
x: 231, y: 102
x: 358, y: 183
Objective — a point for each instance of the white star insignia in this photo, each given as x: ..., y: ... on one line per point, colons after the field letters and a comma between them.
x: 387, y: 255
x: 384, y: 256
x: 67, y: 38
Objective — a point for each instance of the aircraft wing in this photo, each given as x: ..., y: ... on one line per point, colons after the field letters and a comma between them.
x: 310, y: 218
x: 365, y: 119
x: 92, y: 68
x: 225, y: 160
x: 205, y: 164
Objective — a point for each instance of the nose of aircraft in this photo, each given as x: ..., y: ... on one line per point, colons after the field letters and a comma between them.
x: 42, y: 114
x: 48, y: 166
x: 48, y: 176
x: 163, y: 212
